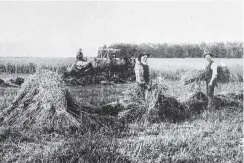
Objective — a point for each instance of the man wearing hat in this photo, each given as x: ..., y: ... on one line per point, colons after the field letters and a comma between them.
x: 210, y: 78
x: 142, y: 71
x: 79, y: 61
x: 79, y: 56
x: 81, y: 65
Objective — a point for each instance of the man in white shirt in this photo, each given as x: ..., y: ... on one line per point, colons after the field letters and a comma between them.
x: 142, y: 69
x: 210, y: 78
x: 142, y: 72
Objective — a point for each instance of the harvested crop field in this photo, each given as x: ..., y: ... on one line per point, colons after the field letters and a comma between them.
x: 124, y: 82
x: 46, y: 120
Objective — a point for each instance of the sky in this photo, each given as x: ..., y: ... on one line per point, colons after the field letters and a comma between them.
x: 59, y: 29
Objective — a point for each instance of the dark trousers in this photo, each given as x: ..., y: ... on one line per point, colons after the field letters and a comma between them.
x: 146, y: 73
x: 141, y: 89
x: 210, y: 94
x: 210, y: 91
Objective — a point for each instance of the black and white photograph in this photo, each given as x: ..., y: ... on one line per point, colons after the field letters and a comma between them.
x: 121, y: 81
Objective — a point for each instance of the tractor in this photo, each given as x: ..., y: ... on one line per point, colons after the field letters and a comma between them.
x: 109, y: 67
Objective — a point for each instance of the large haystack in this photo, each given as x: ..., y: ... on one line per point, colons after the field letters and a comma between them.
x: 43, y: 102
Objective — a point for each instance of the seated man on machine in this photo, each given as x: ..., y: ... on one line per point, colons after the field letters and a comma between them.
x: 81, y: 65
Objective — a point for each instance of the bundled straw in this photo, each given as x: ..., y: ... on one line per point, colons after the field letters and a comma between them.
x: 157, y: 107
x: 40, y: 102
x: 224, y: 99
x: 43, y: 102
x: 190, y: 76
x: 12, y: 82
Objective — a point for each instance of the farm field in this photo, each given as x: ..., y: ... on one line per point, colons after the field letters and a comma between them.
x: 189, y: 63
x: 211, y: 136
x: 124, y: 82
x: 155, y: 63
x: 169, y: 68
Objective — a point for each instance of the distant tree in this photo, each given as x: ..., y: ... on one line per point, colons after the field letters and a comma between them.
x: 158, y: 50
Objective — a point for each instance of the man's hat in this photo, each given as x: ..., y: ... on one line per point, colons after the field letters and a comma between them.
x: 142, y: 54
x: 207, y: 52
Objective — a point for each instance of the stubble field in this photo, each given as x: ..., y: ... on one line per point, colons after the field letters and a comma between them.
x: 211, y: 136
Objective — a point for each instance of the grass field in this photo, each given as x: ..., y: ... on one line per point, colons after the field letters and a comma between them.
x: 161, y: 64
x: 168, y: 68
x: 212, y: 136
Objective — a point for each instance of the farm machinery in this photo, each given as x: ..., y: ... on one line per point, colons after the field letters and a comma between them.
x: 108, y: 68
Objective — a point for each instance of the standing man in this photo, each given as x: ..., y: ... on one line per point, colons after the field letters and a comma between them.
x: 142, y: 72
x: 210, y: 78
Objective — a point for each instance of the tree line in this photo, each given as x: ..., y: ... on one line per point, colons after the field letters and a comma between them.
x: 187, y: 50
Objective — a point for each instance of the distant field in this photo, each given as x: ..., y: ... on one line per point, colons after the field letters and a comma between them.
x: 155, y: 63
x: 39, y: 61
x: 189, y: 63
x: 29, y: 65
